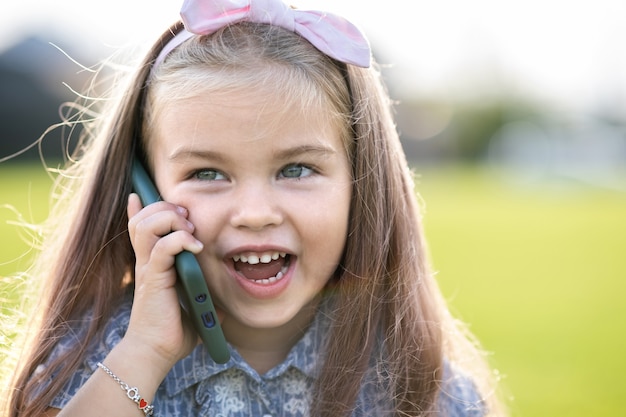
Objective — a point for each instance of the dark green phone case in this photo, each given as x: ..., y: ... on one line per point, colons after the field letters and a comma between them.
x: 192, y: 289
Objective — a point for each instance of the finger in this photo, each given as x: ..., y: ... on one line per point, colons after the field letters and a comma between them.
x: 134, y: 205
x: 137, y: 213
x: 171, y: 245
x: 158, y: 261
x: 159, y: 258
x: 155, y: 221
x: 161, y: 224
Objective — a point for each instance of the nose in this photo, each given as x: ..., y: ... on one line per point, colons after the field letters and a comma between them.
x: 256, y: 207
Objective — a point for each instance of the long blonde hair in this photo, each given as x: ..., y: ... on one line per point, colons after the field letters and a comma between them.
x: 383, y: 285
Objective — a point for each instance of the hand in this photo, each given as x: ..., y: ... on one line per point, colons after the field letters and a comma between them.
x: 158, y: 233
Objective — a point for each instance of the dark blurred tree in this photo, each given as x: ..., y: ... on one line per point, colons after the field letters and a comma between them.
x: 432, y: 131
x: 32, y: 74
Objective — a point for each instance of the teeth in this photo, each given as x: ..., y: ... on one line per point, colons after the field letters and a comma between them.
x: 278, y: 277
x: 263, y: 258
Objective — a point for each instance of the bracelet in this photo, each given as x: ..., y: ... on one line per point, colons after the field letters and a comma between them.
x: 131, y: 392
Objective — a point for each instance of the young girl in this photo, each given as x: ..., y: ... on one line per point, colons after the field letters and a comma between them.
x: 268, y: 134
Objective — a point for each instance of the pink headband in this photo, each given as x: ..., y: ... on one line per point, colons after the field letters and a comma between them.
x: 331, y: 34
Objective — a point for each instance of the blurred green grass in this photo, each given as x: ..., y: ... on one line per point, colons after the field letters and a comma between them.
x: 24, y: 190
x: 539, y: 274
x: 537, y: 271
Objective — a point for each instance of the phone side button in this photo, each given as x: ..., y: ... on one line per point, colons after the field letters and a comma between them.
x: 208, y: 320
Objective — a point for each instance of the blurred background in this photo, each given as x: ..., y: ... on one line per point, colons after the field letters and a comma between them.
x: 513, y: 115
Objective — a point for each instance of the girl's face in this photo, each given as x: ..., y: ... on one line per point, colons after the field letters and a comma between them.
x: 268, y: 191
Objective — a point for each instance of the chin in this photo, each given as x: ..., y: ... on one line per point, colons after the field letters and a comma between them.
x: 272, y: 317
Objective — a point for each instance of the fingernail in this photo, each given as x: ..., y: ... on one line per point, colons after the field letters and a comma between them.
x: 196, y: 246
x: 181, y: 210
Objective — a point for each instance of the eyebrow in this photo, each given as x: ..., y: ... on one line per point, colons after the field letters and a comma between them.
x: 183, y: 154
x: 317, y: 149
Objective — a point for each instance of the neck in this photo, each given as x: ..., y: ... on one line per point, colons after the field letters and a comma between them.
x: 263, y: 348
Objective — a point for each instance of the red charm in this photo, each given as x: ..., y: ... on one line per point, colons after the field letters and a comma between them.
x: 142, y: 403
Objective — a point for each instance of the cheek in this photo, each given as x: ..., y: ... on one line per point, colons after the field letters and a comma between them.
x: 327, y: 225
x: 331, y: 221
x: 206, y: 215
x: 207, y: 222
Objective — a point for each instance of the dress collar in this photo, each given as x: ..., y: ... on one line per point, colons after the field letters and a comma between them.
x: 304, y: 356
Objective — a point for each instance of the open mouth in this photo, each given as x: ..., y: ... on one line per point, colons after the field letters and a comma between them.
x: 262, y: 268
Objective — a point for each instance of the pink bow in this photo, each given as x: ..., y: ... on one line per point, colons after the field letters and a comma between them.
x: 331, y: 34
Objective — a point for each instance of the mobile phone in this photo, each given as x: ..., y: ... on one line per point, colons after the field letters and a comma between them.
x: 193, y: 292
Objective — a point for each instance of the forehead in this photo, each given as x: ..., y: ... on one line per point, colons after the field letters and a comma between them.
x: 256, y: 102
x: 239, y: 121
x: 252, y: 110
x: 274, y: 93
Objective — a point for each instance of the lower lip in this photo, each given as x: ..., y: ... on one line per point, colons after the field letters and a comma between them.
x: 266, y: 291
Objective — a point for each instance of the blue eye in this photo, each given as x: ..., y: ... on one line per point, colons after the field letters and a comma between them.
x: 209, y: 175
x: 295, y: 171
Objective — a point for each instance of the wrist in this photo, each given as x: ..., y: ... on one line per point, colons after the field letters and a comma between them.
x: 131, y: 392
x: 138, y: 367
x: 137, y: 347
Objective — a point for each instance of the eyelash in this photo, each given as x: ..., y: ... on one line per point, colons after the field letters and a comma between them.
x: 216, y: 175
x: 196, y: 174
x: 300, y: 167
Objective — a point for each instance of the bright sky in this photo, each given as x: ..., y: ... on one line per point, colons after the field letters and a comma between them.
x: 568, y: 51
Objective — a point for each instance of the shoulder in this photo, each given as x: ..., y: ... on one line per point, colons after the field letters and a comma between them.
x: 459, y: 395
x: 112, y: 333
